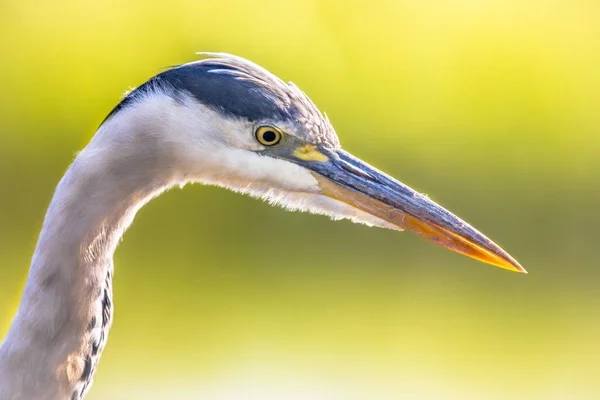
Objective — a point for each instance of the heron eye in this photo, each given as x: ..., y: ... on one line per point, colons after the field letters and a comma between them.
x: 268, y: 135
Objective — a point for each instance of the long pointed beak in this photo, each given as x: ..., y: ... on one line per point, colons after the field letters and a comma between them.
x: 348, y: 179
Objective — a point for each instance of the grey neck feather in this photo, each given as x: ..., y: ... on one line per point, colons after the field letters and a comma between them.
x: 60, y: 329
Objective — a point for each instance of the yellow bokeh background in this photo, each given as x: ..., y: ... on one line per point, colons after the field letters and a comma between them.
x: 491, y: 107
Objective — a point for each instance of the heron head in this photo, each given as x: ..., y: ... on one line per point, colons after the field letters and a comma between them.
x: 253, y: 133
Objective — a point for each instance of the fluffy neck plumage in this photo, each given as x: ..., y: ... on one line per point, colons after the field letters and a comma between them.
x: 61, y: 326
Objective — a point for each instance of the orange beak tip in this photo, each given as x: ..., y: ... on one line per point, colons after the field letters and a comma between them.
x: 521, y: 269
x: 510, y: 264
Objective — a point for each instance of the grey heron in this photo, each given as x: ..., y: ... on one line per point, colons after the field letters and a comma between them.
x: 222, y: 121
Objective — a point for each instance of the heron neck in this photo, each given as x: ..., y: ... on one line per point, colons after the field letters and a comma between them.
x: 60, y: 328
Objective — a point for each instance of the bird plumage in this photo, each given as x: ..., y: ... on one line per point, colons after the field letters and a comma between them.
x: 160, y: 137
x: 239, y: 88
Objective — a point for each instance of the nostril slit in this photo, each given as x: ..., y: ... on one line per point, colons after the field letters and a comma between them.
x: 357, y: 171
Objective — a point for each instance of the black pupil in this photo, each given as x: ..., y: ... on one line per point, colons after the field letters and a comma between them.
x: 269, y: 136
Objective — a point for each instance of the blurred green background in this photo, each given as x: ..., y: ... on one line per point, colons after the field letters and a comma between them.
x: 490, y: 107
